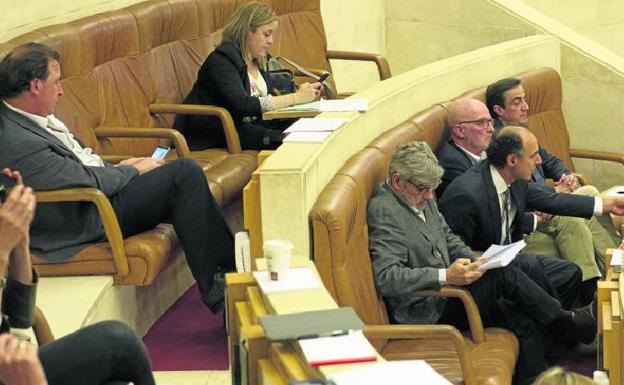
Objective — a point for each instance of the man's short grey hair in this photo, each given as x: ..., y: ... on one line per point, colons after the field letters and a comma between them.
x: 415, y: 161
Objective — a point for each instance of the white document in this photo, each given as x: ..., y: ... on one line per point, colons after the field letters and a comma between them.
x: 307, y: 137
x: 336, y: 105
x: 501, y: 255
x: 616, y: 260
x: 316, y: 124
x: 297, y: 278
x: 343, y: 349
x: 242, y: 253
x: 408, y: 372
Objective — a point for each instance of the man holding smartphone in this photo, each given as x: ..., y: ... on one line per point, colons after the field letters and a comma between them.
x: 143, y: 191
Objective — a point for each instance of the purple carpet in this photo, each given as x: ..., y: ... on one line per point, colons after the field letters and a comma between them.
x: 188, y: 337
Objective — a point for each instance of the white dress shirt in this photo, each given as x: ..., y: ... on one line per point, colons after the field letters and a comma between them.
x: 57, y: 128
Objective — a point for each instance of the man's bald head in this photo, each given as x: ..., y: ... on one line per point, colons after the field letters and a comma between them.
x: 470, y: 125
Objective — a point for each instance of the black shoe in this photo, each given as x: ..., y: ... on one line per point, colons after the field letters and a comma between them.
x: 585, y: 323
x: 215, y: 299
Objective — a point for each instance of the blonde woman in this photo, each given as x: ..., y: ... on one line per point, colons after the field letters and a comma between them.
x: 234, y: 76
x: 559, y: 376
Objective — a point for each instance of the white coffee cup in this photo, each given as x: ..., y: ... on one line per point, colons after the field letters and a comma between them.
x: 277, y: 254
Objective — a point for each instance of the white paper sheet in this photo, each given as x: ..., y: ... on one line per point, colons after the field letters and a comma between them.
x: 298, y: 278
x: 501, y: 255
x: 316, y: 124
x: 307, y: 136
x: 349, y: 348
x: 408, y: 372
x: 336, y: 105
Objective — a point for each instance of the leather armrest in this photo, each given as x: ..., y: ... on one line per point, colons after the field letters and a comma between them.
x: 231, y: 135
x: 427, y: 332
x: 107, y: 216
x: 41, y: 328
x: 175, y: 136
x: 382, y: 64
x: 472, y: 311
x: 617, y: 157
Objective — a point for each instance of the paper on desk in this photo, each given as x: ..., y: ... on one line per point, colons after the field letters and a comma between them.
x: 298, y: 278
x: 349, y: 348
x: 307, y: 136
x: 336, y: 105
x: 312, y: 106
x: 408, y: 372
x: 501, y: 255
x: 616, y: 260
x: 316, y: 124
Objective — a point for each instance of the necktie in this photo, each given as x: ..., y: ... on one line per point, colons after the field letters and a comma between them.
x: 506, y: 216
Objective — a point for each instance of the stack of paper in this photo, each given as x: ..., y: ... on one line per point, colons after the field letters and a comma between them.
x: 336, y: 105
x: 344, y: 349
x: 297, y: 278
x: 408, y: 372
x: 501, y: 255
x: 307, y: 136
x: 312, y: 106
x: 616, y: 260
x: 316, y: 124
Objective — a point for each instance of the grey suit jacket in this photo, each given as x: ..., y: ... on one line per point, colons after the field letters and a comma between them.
x: 406, y: 254
x: 58, y: 230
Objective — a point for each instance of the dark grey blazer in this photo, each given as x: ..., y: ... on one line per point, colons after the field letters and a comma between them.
x: 406, y: 254
x: 58, y: 230
x: 471, y: 208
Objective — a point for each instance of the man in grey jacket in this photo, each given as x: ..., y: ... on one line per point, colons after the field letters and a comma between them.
x: 412, y: 248
x: 143, y: 192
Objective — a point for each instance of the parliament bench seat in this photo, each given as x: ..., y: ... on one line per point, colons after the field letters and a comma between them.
x: 124, y: 75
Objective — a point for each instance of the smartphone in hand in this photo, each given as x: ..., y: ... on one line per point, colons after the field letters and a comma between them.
x: 6, y: 184
x: 160, y: 152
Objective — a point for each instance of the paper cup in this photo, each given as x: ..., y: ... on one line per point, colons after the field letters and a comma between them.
x: 277, y: 254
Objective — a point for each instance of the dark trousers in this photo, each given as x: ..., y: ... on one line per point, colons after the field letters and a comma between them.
x: 560, y: 278
x: 178, y: 193
x: 508, y: 298
x: 104, y: 353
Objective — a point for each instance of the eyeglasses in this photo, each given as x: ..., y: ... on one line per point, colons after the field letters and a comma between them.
x: 483, y: 122
x: 421, y: 188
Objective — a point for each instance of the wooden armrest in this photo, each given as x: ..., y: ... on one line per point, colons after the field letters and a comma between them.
x: 41, y: 328
x: 617, y: 157
x: 231, y: 135
x: 175, y: 136
x: 472, y: 311
x: 427, y: 332
x: 382, y: 64
x: 107, y: 216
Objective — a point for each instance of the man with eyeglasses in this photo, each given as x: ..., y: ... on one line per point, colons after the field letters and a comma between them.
x: 412, y: 248
x: 579, y: 240
x: 471, y: 133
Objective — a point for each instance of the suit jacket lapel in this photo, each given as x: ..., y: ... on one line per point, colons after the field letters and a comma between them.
x: 471, y: 161
x: 422, y: 226
x: 33, y: 127
x: 492, y: 200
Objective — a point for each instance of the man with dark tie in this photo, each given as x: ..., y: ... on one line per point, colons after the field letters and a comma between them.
x: 471, y: 130
x: 412, y: 248
x: 473, y: 204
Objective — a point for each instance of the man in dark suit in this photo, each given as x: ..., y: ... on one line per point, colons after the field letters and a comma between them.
x: 143, y: 192
x: 506, y: 102
x: 412, y: 248
x: 486, y: 204
x: 471, y: 131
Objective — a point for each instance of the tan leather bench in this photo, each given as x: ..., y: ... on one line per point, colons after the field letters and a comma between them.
x: 340, y: 243
x: 123, y: 72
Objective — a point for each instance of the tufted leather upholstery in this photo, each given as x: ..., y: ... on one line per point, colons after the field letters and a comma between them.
x: 118, y: 64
